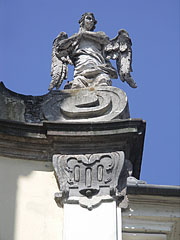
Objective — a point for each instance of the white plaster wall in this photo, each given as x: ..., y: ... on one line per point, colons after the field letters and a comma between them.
x: 27, y: 207
x: 83, y: 224
x: 28, y: 210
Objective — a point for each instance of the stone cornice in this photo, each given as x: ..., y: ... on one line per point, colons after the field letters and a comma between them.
x: 41, y: 141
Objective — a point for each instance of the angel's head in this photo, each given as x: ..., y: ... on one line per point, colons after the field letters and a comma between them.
x: 87, y: 22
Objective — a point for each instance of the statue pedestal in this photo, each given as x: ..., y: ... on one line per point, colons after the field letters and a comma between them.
x: 102, y: 222
x: 91, y: 169
x: 93, y: 144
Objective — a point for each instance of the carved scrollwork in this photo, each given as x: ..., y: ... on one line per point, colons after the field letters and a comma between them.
x: 90, y: 104
x: 89, y: 177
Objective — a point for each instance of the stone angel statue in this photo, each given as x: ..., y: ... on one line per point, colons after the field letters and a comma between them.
x: 90, y: 53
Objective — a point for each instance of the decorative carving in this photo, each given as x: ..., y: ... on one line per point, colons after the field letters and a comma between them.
x: 90, y: 178
x: 90, y: 53
x: 89, y: 104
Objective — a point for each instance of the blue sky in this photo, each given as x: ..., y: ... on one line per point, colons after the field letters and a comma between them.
x: 28, y: 28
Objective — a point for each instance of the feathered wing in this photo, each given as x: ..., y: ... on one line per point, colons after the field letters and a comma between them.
x: 120, y: 50
x: 59, y: 65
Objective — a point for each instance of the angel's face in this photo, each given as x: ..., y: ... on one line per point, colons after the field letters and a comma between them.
x: 88, y: 22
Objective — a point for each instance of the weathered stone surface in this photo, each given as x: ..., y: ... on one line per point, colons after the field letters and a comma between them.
x: 90, y: 53
x: 90, y: 178
x: 12, y: 106
x: 90, y: 104
x: 41, y: 141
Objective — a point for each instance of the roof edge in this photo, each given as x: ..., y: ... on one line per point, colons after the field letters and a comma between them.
x: 150, y: 189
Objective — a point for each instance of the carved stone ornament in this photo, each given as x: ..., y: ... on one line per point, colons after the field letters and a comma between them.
x: 90, y: 53
x: 91, y: 178
x: 88, y: 104
x: 77, y: 105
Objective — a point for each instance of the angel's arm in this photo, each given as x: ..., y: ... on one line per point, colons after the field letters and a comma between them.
x: 65, y: 44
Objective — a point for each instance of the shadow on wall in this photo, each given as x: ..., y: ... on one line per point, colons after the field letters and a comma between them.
x: 23, y: 184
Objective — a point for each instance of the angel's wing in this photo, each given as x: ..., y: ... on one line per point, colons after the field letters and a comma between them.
x: 120, y: 49
x: 59, y: 65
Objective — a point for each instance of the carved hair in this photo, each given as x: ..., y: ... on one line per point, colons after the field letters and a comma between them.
x: 81, y: 21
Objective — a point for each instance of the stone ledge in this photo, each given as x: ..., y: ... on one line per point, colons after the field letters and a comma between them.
x: 157, y: 190
x: 93, y: 104
x: 41, y: 141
